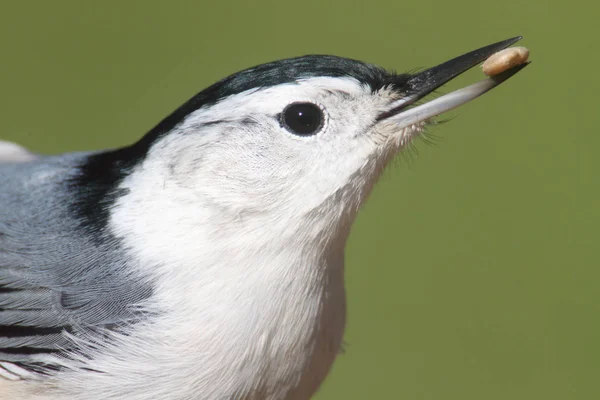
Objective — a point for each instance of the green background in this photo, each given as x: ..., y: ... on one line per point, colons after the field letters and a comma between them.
x: 473, y: 270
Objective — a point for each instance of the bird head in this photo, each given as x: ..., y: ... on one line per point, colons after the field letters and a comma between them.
x: 293, y: 145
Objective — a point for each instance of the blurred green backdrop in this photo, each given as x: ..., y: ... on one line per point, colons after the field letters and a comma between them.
x: 473, y: 271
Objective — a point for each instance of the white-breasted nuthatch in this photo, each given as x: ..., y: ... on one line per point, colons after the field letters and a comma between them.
x: 205, y: 261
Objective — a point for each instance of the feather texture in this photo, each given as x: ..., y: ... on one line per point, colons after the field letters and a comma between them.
x: 53, y: 279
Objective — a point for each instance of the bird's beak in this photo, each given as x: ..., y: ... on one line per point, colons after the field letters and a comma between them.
x: 427, y: 81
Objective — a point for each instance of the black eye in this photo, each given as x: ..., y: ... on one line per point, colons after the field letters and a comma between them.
x: 302, y: 119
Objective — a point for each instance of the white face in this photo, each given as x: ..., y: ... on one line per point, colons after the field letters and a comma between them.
x: 239, y: 157
x: 240, y: 164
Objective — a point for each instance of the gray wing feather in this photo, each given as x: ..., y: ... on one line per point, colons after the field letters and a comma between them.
x: 28, y: 300
x: 54, y: 276
x: 41, y: 318
x: 12, y: 278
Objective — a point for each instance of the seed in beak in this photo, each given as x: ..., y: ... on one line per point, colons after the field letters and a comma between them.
x: 505, y: 59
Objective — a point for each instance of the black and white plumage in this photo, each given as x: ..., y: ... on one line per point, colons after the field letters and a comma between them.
x: 204, y: 261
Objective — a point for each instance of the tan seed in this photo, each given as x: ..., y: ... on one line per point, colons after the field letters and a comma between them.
x: 505, y: 59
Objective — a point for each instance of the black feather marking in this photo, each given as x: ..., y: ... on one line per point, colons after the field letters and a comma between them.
x: 26, y: 351
x: 39, y: 367
x: 18, y: 331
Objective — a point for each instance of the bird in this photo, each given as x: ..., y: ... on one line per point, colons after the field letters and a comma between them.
x: 206, y: 260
